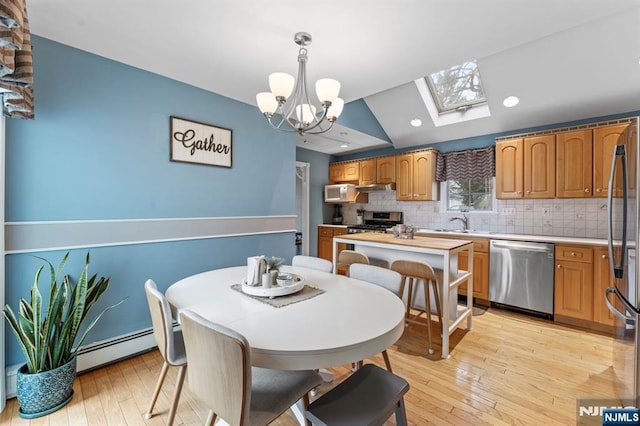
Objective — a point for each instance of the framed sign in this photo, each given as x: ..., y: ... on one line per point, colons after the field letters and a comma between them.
x: 193, y: 142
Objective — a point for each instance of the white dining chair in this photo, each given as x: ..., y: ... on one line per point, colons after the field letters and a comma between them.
x: 311, y: 262
x: 170, y: 344
x: 391, y: 280
x: 221, y: 376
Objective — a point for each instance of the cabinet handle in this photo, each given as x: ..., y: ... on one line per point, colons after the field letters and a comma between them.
x: 528, y: 191
x: 519, y: 192
x: 604, y: 256
x: 598, y: 190
x: 586, y: 190
x: 573, y: 253
x: 559, y: 266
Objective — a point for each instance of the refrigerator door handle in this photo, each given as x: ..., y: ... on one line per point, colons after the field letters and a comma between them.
x: 617, y: 270
x: 627, y: 319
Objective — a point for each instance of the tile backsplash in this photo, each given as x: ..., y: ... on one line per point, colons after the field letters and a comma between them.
x: 573, y: 217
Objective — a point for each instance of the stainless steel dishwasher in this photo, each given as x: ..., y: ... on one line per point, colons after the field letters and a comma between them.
x: 521, y: 275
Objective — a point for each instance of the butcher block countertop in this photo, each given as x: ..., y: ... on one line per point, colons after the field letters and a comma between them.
x: 416, y: 242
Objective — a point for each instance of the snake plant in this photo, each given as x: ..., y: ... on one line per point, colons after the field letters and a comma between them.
x: 48, y: 340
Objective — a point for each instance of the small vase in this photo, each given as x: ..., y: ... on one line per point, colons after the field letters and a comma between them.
x: 43, y: 393
x: 274, y: 276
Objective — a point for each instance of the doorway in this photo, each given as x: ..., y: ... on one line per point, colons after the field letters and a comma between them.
x: 302, y: 208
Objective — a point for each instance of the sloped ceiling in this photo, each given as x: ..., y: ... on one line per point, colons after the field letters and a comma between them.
x: 565, y: 59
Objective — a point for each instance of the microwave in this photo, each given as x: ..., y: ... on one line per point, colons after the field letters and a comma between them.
x: 340, y: 193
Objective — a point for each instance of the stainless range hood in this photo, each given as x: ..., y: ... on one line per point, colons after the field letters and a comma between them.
x: 376, y: 187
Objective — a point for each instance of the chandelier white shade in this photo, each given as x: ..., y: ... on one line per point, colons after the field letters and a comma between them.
x: 289, y: 99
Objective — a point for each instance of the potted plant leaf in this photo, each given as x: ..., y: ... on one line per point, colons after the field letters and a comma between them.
x: 50, y: 340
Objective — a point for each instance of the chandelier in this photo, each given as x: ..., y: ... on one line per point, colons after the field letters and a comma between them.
x: 289, y: 98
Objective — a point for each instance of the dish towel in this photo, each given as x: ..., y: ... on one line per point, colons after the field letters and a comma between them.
x: 256, y: 266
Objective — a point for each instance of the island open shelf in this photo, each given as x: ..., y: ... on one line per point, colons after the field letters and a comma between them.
x: 440, y: 253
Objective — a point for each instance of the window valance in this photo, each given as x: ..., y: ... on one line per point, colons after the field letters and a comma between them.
x: 16, y: 60
x: 468, y: 164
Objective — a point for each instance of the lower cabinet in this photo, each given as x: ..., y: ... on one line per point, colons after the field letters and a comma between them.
x: 573, y: 283
x: 480, y: 270
x: 325, y: 242
x: 581, y: 277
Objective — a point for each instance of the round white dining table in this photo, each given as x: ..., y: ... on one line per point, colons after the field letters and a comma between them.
x: 352, y: 320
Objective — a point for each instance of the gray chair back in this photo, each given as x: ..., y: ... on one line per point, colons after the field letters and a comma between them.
x: 162, y: 322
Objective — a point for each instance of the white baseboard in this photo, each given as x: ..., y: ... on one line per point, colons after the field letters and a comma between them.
x: 98, y: 354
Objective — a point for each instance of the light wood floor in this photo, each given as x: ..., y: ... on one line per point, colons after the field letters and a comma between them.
x: 509, y: 369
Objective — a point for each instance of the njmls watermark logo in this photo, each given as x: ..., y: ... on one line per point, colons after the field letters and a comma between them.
x: 607, y: 412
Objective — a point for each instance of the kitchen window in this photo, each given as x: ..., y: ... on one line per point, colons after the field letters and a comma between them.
x: 467, y: 179
x: 464, y: 195
x: 457, y: 88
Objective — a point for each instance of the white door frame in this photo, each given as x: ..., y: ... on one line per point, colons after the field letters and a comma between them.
x: 302, y: 173
x: 3, y: 395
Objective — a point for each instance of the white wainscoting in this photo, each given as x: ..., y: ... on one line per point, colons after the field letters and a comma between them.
x: 24, y: 237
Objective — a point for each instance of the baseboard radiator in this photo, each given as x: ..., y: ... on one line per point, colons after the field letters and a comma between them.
x: 98, y: 354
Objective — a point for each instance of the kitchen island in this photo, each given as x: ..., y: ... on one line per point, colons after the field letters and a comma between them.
x: 440, y: 253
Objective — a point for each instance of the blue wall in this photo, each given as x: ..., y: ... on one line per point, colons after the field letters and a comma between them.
x: 99, y: 149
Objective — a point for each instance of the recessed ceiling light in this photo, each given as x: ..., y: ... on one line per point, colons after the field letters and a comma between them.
x: 344, y: 145
x: 510, y: 101
x: 416, y: 122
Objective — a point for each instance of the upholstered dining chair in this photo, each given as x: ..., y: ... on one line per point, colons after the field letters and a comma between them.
x: 368, y: 397
x: 221, y: 376
x: 347, y: 258
x: 414, y: 272
x: 311, y: 262
x: 170, y: 344
x: 391, y: 280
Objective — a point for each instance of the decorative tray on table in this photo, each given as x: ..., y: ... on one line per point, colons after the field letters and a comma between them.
x: 293, y: 286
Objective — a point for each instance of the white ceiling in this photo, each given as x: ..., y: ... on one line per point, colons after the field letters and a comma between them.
x: 566, y: 60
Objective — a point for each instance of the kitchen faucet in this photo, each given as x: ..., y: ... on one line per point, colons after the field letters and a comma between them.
x: 464, y: 219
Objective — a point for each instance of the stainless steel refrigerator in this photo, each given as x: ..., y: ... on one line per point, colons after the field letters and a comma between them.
x: 622, y: 297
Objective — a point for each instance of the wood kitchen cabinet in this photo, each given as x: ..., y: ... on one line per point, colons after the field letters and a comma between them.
x: 386, y: 169
x: 526, y: 167
x: 603, y: 279
x: 574, y: 164
x: 325, y: 242
x: 368, y: 173
x: 416, y: 176
x: 344, y: 172
x: 604, y: 141
x: 573, y: 285
x: 480, y: 270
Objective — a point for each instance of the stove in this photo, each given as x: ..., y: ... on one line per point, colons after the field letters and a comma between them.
x: 376, y: 222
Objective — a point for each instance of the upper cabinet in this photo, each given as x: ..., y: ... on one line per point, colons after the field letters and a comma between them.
x: 525, y: 167
x: 416, y: 176
x: 574, y: 172
x: 344, y: 172
x: 574, y: 163
x: 386, y: 169
x: 367, y: 172
x: 604, y: 141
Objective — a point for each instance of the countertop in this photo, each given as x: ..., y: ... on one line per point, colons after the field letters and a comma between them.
x: 516, y: 237
x: 500, y: 236
x: 426, y: 242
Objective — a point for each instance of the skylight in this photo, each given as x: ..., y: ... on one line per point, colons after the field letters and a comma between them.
x: 457, y: 88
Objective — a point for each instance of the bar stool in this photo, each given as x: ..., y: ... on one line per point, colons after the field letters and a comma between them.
x: 419, y: 272
x: 349, y: 257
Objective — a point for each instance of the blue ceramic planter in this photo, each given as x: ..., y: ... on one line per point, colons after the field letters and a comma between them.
x: 42, y: 393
